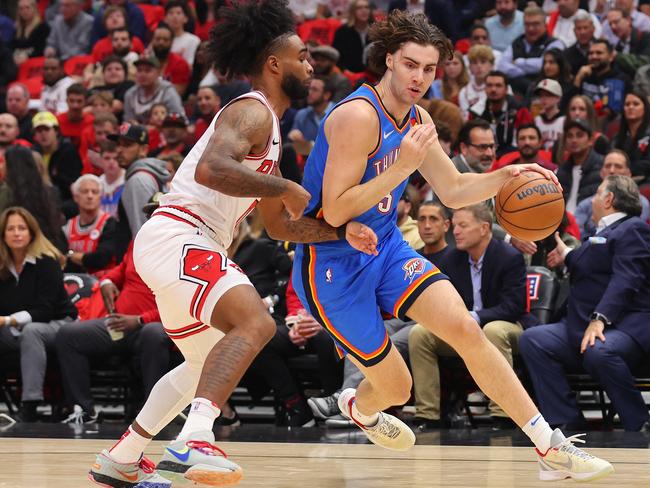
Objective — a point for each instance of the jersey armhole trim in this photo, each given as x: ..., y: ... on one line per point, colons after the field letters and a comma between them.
x: 369, y: 102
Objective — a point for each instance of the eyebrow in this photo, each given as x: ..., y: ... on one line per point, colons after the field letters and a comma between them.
x: 417, y: 62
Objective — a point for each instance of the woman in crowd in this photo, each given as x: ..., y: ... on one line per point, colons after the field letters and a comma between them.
x: 555, y: 67
x: 351, y: 38
x: 115, y: 80
x: 634, y: 135
x: 34, y: 301
x: 454, y: 79
x: 31, y: 32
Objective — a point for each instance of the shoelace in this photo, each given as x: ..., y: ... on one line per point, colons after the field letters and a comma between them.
x: 76, y: 417
x: 567, y: 446
x: 332, y: 403
x: 147, y: 465
x: 206, y: 448
x: 385, y: 427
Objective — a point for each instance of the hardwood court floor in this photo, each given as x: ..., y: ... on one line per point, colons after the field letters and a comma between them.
x: 63, y: 463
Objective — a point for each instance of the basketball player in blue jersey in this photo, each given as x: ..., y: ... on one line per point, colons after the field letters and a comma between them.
x: 366, y: 149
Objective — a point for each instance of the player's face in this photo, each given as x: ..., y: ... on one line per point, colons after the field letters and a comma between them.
x: 413, y: 69
x: 468, y: 232
x: 614, y: 164
x: 432, y: 225
x: 296, y: 70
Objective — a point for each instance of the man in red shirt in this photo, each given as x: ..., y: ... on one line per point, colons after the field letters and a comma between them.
x: 209, y: 103
x: 119, y: 42
x: 174, y: 68
x: 74, y: 121
x: 174, y: 131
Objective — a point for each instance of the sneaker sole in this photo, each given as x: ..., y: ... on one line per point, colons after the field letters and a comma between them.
x: 201, y: 473
x: 580, y: 477
x: 102, y: 480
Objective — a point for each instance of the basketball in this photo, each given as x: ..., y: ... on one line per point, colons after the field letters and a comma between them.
x: 529, y: 206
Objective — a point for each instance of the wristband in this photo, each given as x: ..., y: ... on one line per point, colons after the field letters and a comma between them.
x: 340, y: 231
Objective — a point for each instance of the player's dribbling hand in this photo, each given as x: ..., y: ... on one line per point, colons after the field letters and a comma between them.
x: 415, y: 146
x: 295, y: 200
x: 516, y: 170
x: 361, y: 237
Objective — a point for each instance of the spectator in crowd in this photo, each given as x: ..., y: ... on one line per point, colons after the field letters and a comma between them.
x: 480, y: 36
x: 104, y: 123
x: 477, y: 147
x: 351, y: 38
x: 433, y: 225
x: 556, y: 68
x: 112, y: 177
x: 602, y: 81
x: 70, y: 31
x: 122, y: 45
x: 529, y: 150
x: 143, y: 178
x: 31, y: 32
x: 308, y: 119
x: 206, y: 18
x: 115, y: 20
x: 580, y: 107
x: 132, y: 329
x: 175, y: 68
x: 324, y: 59
x: 481, y: 62
x: 490, y: 277
x: 174, y: 132
x: 454, y: 79
x: 634, y: 135
x: 504, y: 114
x: 580, y: 174
x: 56, y: 84
x: 185, y: 44
x: 17, y: 102
x: 551, y: 121
x: 34, y: 302
x: 407, y: 207
x: 561, y: 22
x: 9, y: 133
x: 62, y: 160
x: 202, y: 71
x: 616, y: 162
x: 630, y: 39
x: 73, y: 122
x: 605, y: 328
x: 640, y: 20
x: 506, y: 26
x: 157, y: 116
x: 114, y: 72
x: 208, y: 104
x: 91, y: 234
x: 522, y: 61
x: 584, y: 29
x: 149, y: 89
x: 25, y: 188
x: 134, y: 19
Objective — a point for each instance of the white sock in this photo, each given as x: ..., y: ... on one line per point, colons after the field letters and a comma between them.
x: 538, y: 430
x: 203, y: 413
x: 367, y: 420
x: 129, y: 448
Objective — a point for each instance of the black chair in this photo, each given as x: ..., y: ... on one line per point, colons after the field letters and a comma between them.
x: 543, y: 289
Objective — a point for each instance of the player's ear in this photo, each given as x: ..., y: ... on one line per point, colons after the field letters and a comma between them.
x: 389, y: 61
x: 273, y: 62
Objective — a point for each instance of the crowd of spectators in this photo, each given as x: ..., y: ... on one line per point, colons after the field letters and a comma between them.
x: 100, y: 101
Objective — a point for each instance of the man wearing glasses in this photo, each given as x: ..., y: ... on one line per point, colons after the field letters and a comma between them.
x: 477, y: 147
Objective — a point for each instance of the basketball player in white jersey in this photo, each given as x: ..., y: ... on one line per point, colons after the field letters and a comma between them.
x: 207, y: 305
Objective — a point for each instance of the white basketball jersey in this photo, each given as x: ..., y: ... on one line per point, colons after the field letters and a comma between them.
x: 221, y: 212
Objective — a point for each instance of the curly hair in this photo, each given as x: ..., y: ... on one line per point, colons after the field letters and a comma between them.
x: 248, y: 33
x: 399, y: 28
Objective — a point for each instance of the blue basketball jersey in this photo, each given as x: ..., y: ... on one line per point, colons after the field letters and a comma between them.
x: 382, y: 218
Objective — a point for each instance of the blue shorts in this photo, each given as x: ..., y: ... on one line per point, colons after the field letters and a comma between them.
x: 347, y: 293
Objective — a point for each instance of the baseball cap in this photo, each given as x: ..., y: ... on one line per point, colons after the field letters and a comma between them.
x: 133, y: 132
x: 150, y: 60
x: 581, y: 124
x: 549, y: 85
x: 325, y: 51
x: 44, y: 119
x: 175, y: 119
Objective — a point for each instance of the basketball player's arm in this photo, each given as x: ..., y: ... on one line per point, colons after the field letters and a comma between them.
x: 457, y: 189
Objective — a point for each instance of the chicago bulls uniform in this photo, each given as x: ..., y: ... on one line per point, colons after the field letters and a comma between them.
x: 180, y: 253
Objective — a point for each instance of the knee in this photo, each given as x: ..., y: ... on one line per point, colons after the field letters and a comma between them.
x: 153, y: 334
x: 594, y: 357
x: 263, y: 328
x: 493, y: 331
x: 400, y: 393
x: 466, y: 335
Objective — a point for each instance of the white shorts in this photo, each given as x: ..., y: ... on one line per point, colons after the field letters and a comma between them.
x: 187, y: 271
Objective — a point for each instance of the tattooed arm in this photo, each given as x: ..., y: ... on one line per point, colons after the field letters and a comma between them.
x: 242, y: 128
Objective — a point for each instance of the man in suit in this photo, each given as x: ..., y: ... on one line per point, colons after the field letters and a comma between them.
x: 490, y: 276
x: 630, y: 39
x: 605, y: 330
x: 477, y: 147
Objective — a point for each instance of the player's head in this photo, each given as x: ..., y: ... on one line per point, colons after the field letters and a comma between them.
x: 257, y: 39
x: 407, y: 48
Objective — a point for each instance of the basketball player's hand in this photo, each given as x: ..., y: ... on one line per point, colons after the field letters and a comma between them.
x: 361, y: 237
x: 556, y: 256
x: 517, y: 169
x: 109, y: 294
x: 415, y: 146
x: 295, y: 200
x: 122, y: 323
x: 594, y: 330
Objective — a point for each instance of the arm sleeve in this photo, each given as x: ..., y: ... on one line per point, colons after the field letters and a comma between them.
x: 151, y: 315
x: 116, y: 275
x: 105, y: 247
x: 507, y: 66
x: 512, y: 294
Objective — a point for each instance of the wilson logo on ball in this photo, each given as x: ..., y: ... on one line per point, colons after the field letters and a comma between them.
x: 543, y: 189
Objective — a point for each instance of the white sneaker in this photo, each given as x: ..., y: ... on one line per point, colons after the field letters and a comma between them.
x: 389, y: 431
x: 564, y: 460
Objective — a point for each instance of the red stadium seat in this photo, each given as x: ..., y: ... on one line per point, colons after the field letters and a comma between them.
x: 34, y: 86
x: 31, y: 68
x: 320, y: 31
x: 153, y: 14
x: 354, y: 77
x: 75, y: 65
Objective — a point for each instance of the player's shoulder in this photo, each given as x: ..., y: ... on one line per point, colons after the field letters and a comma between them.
x: 354, y: 111
x: 247, y: 111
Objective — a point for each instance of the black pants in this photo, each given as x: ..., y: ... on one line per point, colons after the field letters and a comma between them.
x: 271, y: 363
x: 79, y: 343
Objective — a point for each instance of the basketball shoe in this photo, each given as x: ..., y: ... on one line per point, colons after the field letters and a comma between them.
x: 564, y: 460
x: 389, y: 431
x: 200, y: 461
x: 141, y: 474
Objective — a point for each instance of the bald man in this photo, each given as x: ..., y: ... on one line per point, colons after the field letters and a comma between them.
x: 17, y: 101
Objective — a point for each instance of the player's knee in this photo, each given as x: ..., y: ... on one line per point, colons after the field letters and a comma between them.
x: 263, y: 327
x: 467, y: 335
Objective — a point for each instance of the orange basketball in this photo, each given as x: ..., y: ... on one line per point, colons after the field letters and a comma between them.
x: 529, y: 206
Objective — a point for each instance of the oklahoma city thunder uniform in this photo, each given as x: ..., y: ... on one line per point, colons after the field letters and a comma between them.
x: 345, y: 289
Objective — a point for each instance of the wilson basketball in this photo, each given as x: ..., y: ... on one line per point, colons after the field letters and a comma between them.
x: 529, y: 206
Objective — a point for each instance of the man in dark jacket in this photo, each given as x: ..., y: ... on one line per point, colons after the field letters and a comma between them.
x: 490, y: 277
x: 580, y: 174
x: 605, y: 329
